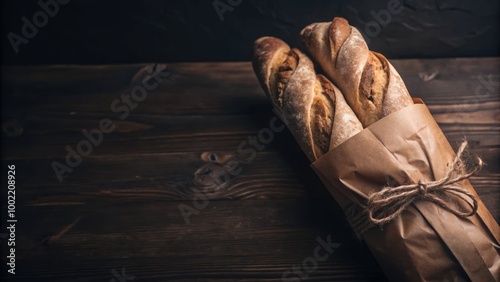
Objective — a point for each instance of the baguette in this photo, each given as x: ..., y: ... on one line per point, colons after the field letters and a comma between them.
x: 371, y: 85
x: 309, y: 104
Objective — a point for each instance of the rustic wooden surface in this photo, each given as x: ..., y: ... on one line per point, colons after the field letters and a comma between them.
x: 118, y: 211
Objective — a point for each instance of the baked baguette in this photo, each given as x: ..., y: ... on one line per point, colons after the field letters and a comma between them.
x: 370, y: 84
x: 310, y: 105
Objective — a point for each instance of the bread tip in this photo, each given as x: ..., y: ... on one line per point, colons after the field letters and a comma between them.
x: 340, y: 26
x: 260, y: 40
x: 340, y: 21
x: 268, y: 45
x: 268, y: 40
x: 307, y: 31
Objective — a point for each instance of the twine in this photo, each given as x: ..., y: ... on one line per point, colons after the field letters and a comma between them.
x: 389, y: 203
x: 358, y: 219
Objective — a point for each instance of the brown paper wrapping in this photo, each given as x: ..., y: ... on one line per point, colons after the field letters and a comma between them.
x: 426, y: 242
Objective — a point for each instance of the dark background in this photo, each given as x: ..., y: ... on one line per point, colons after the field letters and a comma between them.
x: 103, y: 32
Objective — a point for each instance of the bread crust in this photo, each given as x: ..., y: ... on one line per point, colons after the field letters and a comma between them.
x: 370, y: 84
x: 311, y: 106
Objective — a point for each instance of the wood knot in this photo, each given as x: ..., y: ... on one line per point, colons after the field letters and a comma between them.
x: 12, y: 128
x: 211, y: 176
x: 215, y: 157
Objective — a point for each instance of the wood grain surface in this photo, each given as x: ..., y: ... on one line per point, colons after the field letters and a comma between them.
x: 117, y: 215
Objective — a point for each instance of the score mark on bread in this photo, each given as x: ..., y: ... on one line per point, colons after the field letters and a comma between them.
x: 307, y: 101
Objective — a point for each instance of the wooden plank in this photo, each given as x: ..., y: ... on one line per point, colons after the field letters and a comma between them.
x: 221, y: 88
x: 150, y: 134
x: 180, y: 176
x: 218, y: 242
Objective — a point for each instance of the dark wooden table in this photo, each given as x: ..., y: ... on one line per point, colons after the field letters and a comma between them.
x: 117, y: 213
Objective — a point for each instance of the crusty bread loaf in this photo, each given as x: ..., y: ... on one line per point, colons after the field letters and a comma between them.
x: 312, y: 107
x: 370, y: 84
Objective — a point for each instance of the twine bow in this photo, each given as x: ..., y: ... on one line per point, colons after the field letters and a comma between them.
x: 387, y: 204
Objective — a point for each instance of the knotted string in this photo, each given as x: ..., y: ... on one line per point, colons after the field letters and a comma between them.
x: 388, y: 203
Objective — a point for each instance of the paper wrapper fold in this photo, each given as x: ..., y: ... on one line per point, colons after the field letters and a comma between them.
x: 426, y: 242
